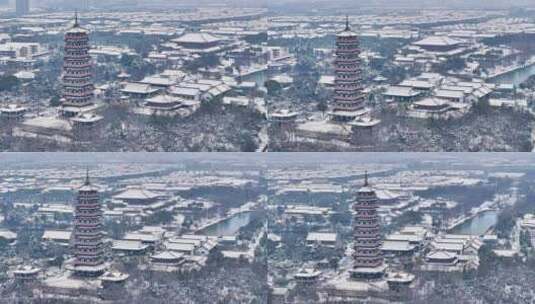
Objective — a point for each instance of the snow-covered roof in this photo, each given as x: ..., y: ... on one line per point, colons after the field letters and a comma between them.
x: 324, y: 127
x: 132, y: 245
x: 87, y: 117
x: 167, y: 255
x: 176, y: 90
x: 163, y: 99
x: 112, y: 276
x: 48, y: 122
x: 143, y: 237
x: 421, y: 84
x: 307, y: 273
x: 449, y: 94
x: 438, y: 41
x: 13, y: 108
x: 25, y: 75
x: 180, y: 247
x: 398, y: 91
x: 7, y: 234
x: 448, y: 246
x: 284, y: 113
x: 321, y: 237
x: 397, y: 246
x: 138, y: 88
x: 441, y: 255
x: 197, y: 38
x: 57, y: 235
x: 431, y: 102
x: 157, y: 81
x: 136, y: 194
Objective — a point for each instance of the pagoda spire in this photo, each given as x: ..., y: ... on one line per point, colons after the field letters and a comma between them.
x: 366, y: 178
x: 347, y: 23
x: 87, y: 181
x: 76, y: 24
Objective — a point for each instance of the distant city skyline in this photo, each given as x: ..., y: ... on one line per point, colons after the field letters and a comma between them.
x: 418, y: 4
x: 264, y: 158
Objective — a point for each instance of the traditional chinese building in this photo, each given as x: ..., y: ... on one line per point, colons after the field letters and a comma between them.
x: 349, y: 98
x: 86, y: 126
x: 12, y: 112
x: 368, y: 261
x: 87, y: 245
x: 77, y: 75
x: 26, y: 273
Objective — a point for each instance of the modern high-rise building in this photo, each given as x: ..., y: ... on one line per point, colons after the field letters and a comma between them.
x: 77, y: 71
x: 368, y: 262
x: 22, y: 7
x: 84, y: 5
x: 87, y: 245
x: 349, y: 98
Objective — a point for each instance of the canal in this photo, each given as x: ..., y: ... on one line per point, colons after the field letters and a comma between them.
x: 516, y: 77
x: 478, y: 225
x: 258, y: 77
x: 229, y: 227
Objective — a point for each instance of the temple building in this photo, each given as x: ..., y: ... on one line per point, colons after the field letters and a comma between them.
x: 368, y: 263
x: 26, y: 273
x: 137, y: 196
x: 8, y: 236
x: 349, y: 97
x: 442, y: 261
x: 12, y: 112
x: 85, y: 127
x: 113, y: 279
x: 199, y: 43
x: 307, y: 278
x: 77, y: 76
x: 87, y: 244
x: 283, y: 117
x: 439, y: 44
x: 400, y: 281
x: 430, y: 107
x: 166, y: 260
x: 528, y: 226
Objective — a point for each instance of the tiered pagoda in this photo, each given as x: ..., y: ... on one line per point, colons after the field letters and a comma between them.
x: 349, y: 98
x: 87, y: 244
x: 349, y: 104
x: 77, y: 71
x: 368, y: 263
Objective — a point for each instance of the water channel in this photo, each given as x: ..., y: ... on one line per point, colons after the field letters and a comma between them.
x: 229, y: 227
x: 477, y: 225
x: 516, y: 77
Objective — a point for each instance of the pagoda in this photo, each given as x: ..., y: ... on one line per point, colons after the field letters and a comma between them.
x: 349, y: 104
x: 368, y: 263
x: 87, y: 244
x: 349, y: 98
x: 77, y: 71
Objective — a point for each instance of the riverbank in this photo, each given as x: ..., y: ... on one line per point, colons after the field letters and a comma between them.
x: 463, y: 219
x: 515, y: 75
x: 246, y: 208
x: 490, y: 207
x: 478, y: 224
